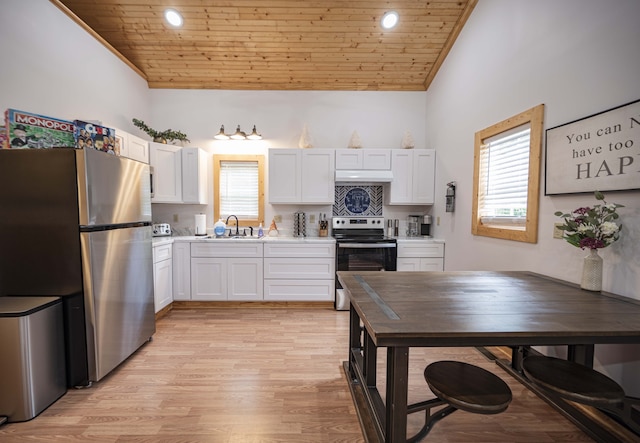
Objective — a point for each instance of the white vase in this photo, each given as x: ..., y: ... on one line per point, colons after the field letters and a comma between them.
x: 592, y: 272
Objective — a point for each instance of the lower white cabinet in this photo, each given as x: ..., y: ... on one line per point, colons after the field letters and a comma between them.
x: 182, y: 271
x: 420, y: 255
x: 162, y: 276
x: 230, y: 271
x: 299, y: 272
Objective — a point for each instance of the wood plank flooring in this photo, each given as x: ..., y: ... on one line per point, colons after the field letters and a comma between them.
x: 261, y: 375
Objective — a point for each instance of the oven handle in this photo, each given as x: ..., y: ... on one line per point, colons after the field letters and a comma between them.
x: 367, y: 245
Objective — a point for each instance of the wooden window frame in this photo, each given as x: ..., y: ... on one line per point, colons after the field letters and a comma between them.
x: 529, y: 234
x: 217, y: 159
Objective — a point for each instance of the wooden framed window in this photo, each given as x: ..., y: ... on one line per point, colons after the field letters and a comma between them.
x: 506, y: 178
x: 239, y: 188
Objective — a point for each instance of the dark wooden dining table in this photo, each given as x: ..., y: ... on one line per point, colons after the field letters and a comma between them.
x: 400, y: 310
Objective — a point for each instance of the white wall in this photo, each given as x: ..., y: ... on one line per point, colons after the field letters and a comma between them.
x: 51, y: 66
x: 578, y: 57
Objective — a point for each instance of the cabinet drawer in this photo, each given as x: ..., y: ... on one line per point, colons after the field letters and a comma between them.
x: 241, y: 248
x: 162, y: 252
x: 288, y: 250
x: 416, y: 248
x: 299, y: 268
x: 299, y: 290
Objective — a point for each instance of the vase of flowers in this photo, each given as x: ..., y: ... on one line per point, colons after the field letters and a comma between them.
x: 592, y: 228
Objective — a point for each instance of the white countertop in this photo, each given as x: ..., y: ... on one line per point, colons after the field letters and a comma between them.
x: 425, y: 239
x: 157, y: 241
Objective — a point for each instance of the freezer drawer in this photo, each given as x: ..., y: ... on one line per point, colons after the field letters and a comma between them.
x: 32, y: 356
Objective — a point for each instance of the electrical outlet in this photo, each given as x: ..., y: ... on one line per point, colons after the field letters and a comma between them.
x: 438, y: 221
x: 277, y: 218
x: 175, y: 218
x: 312, y: 219
x: 557, y: 232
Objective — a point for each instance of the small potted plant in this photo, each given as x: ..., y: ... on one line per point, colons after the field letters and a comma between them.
x: 165, y: 136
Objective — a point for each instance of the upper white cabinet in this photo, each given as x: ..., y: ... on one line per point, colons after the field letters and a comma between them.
x: 167, y: 172
x: 132, y: 146
x: 194, y: 176
x: 368, y: 159
x: 301, y: 176
x: 413, y: 177
x: 179, y: 174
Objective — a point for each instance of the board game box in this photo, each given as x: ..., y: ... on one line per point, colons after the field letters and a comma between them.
x: 27, y: 130
x: 3, y: 136
x: 92, y: 135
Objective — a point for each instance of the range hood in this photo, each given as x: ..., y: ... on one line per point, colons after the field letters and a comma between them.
x: 363, y: 175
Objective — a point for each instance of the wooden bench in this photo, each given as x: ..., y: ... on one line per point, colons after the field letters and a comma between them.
x: 581, y: 384
x: 461, y: 386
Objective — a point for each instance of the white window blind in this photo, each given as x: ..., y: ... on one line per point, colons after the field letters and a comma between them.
x: 239, y: 191
x: 504, y: 172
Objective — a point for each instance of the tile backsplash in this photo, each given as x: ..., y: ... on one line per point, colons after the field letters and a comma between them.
x: 358, y: 200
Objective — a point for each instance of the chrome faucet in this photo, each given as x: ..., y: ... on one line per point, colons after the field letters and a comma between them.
x: 237, y: 225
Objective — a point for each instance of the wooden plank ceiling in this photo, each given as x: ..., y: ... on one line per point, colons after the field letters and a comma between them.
x: 277, y: 44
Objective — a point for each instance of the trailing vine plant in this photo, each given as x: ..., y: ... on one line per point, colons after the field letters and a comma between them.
x: 161, y: 136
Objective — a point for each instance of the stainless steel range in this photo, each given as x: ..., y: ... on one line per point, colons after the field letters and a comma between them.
x: 361, y: 245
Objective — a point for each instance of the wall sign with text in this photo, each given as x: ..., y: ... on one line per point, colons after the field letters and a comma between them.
x: 600, y: 152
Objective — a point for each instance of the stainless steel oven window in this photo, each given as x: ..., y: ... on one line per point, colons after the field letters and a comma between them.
x: 366, y: 257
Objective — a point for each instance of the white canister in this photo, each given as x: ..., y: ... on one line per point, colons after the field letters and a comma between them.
x: 201, y: 224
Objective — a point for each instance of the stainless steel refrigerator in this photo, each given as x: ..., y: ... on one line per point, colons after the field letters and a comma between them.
x: 77, y: 224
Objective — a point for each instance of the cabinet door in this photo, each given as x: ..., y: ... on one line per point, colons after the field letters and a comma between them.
x: 411, y: 264
x: 284, y: 175
x: 348, y: 159
x: 182, y: 271
x: 194, y: 176
x: 299, y: 290
x: 208, y: 279
x: 401, y: 188
x: 167, y: 172
x: 245, y: 282
x: 137, y: 148
x: 376, y: 159
x: 318, y: 176
x: 424, y: 164
x: 431, y: 264
x: 162, y: 284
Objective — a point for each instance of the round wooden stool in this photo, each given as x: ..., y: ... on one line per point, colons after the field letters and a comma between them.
x: 468, y: 387
x: 462, y: 386
x: 573, y: 381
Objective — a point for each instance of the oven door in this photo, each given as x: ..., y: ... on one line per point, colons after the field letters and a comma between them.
x: 351, y: 256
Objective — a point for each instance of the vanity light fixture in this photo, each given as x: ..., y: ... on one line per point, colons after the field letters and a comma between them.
x: 238, y: 135
x: 254, y: 134
x: 221, y: 135
x: 389, y: 20
x: 173, y: 17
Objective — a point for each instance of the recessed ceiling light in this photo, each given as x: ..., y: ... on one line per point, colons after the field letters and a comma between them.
x: 389, y: 20
x: 173, y: 17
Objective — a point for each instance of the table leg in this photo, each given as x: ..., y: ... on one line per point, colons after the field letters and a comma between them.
x: 397, y: 394
x: 370, y: 360
x: 582, y: 354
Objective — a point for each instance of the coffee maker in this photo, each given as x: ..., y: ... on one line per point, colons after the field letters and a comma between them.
x: 425, y: 226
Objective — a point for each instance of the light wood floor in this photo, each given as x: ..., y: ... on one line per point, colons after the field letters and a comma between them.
x: 261, y: 375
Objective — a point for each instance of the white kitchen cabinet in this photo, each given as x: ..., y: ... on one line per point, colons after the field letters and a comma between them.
x: 367, y: 159
x: 132, y: 147
x: 179, y: 175
x: 420, y: 255
x: 194, y: 176
x: 301, y: 176
x: 166, y: 161
x: 413, y: 177
x: 227, y: 271
x: 299, y: 272
x: 162, y: 276
x: 181, y: 271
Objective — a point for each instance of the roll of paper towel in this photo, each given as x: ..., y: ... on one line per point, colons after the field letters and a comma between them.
x: 201, y: 224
